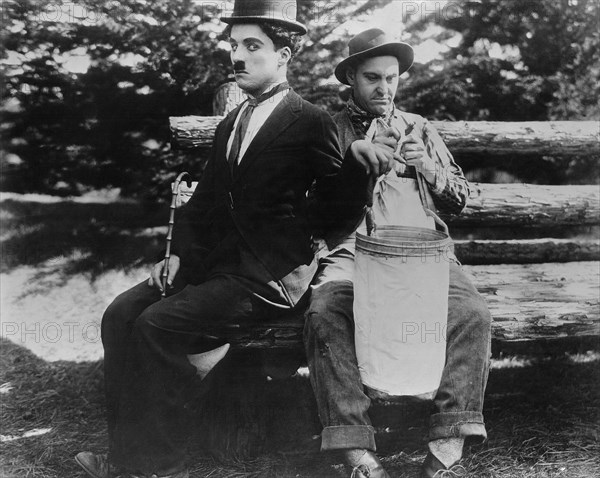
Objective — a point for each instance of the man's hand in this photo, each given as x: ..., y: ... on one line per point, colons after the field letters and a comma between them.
x: 414, y: 153
x: 377, y: 158
x: 389, y: 138
x: 156, y: 273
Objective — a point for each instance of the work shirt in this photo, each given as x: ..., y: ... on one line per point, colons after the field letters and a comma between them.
x: 396, y: 195
x: 447, y: 195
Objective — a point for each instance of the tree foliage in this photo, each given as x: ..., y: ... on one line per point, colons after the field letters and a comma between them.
x: 105, y: 124
x: 537, y: 60
x: 516, y: 61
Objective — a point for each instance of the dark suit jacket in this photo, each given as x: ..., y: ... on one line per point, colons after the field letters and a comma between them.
x: 263, y: 208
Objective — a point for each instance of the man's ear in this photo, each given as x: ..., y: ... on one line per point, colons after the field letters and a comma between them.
x: 350, y: 76
x: 285, y: 55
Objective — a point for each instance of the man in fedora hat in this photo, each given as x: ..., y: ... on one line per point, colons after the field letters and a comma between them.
x: 424, y: 176
x: 242, y: 248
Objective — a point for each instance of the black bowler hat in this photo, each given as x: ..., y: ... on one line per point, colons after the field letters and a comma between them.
x: 370, y: 43
x: 279, y: 12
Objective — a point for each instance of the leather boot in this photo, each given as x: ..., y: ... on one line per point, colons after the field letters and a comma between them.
x: 434, y: 468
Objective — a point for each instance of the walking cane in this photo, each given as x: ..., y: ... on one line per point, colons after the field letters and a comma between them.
x: 174, y: 197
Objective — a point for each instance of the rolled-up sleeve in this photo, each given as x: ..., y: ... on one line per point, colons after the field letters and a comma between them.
x: 451, y: 189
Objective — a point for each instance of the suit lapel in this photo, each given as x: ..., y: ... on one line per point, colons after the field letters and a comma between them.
x: 284, y: 114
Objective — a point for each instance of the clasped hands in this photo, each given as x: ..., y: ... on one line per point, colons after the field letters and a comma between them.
x: 378, y: 156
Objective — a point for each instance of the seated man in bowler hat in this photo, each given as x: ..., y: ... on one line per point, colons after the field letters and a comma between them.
x: 425, y: 175
x: 242, y: 248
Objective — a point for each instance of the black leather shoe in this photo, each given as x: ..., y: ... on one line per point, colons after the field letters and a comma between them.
x: 368, y: 466
x: 434, y: 468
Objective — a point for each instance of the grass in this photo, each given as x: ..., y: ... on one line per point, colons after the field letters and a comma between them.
x: 542, y: 413
x: 542, y: 421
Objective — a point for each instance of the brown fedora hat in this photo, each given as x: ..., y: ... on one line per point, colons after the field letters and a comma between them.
x: 370, y: 43
x: 279, y: 12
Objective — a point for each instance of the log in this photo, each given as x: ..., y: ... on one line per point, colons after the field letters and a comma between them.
x: 499, y: 138
x: 190, y: 132
x: 481, y: 251
x: 527, y: 302
x: 554, y: 138
x: 242, y: 413
x: 231, y: 419
x: 526, y: 251
x: 529, y: 205
x: 533, y: 301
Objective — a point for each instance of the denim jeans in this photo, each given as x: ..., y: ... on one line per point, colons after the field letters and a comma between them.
x: 329, y: 341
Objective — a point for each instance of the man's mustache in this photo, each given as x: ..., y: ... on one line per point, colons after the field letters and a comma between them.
x: 239, y: 66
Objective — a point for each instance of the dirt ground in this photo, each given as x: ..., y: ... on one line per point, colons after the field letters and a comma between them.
x: 59, y: 319
x: 541, y: 415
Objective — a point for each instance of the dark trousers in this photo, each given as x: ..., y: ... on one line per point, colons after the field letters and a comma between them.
x: 147, y: 375
x: 342, y: 403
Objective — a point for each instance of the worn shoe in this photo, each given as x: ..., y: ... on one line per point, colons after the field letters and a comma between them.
x: 434, y: 468
x: 368, y: 466
x: 95, y: 465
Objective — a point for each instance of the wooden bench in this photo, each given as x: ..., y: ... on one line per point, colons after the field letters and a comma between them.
x: 541, y: 284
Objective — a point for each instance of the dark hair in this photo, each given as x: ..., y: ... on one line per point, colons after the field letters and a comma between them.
x: 279, y: 35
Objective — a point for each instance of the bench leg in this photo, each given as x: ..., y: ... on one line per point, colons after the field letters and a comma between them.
x: 242, y: 413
